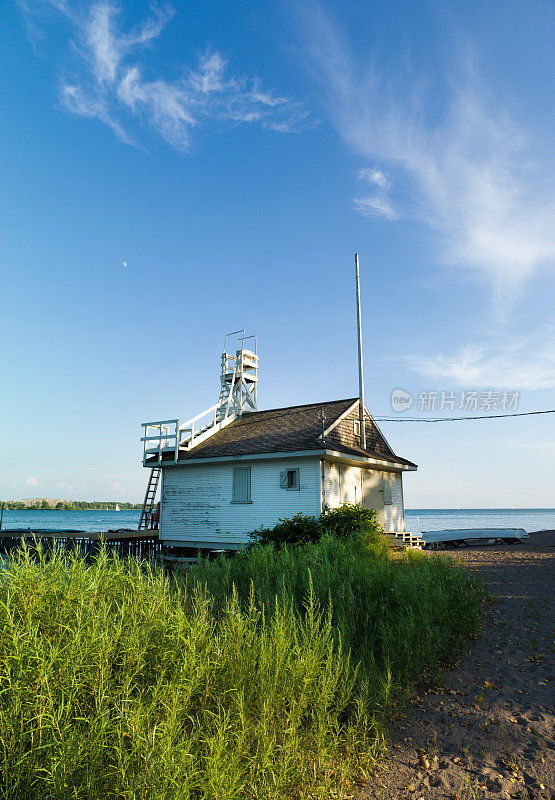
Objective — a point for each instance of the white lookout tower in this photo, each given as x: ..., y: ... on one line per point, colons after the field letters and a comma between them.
x: 239, y: 378
x: 238, y: 388
x: 167, y: 438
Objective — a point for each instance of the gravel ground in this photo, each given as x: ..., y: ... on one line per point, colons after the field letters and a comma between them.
x: 488, y: 730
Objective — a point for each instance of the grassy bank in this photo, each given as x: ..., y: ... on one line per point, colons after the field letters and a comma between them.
x: 117, y: 683
x: 400, y: 618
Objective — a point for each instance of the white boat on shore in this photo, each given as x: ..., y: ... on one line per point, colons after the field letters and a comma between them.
x: 467, y: 536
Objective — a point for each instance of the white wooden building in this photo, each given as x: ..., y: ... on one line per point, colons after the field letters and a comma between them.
x: 245, y: 468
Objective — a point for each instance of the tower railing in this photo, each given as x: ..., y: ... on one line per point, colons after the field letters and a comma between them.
x: 163, y: 440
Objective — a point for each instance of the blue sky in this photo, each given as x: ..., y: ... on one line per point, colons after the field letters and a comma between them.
x: 235, y: 156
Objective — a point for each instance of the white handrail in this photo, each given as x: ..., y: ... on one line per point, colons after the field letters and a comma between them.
x: 198, y: 416
x: 159, y: 422
x: 183, y: 435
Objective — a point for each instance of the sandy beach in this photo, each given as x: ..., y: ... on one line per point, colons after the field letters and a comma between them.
x: 487, y: 731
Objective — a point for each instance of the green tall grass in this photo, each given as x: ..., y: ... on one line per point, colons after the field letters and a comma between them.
x: 114, y: 683
x: 264, y: 676
x: 400, y: 618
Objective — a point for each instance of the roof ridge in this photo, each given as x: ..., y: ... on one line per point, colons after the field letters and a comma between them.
x: 301, y: 405
x: 289, y: 429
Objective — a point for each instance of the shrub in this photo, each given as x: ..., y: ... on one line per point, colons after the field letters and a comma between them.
x: 348, y: 519
x: 345, y: 521
x: 299, y: 529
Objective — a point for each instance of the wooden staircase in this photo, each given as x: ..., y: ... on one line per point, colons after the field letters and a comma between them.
x: 405, y: 539
x: 148, y: 512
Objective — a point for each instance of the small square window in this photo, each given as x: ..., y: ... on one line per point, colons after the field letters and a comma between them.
x: 356, y: 427
x: 289, y: 479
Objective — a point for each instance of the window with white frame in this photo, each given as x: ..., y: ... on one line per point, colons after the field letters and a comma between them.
x: 356, y: 427
x: 289, y: 479
x: 241, y: 485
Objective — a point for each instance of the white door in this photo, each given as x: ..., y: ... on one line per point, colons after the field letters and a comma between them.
x: 350, y: 485
x: 373, y: 492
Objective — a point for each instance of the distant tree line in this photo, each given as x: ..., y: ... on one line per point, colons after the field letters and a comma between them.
x: 67, y: 505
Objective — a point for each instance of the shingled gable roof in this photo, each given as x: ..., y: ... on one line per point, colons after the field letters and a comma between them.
x: 292, y: 429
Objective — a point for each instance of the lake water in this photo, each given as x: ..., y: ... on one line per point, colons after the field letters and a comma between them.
x: 93, y: 520
x: 431, y: 519
x: 416, y: 519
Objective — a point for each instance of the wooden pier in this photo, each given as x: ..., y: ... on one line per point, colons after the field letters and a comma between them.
x: 143, y: 545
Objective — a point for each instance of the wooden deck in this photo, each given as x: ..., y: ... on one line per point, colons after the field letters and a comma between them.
x: 144, y: 545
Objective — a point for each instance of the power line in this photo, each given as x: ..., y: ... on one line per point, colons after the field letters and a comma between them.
x: 462, y: 419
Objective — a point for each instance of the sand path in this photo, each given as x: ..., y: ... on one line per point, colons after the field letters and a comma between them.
x: 488, y: 730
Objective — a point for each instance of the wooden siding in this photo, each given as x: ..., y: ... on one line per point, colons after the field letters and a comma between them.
x: 395, y: 513
x: 347, y: 484
x: 197, y: 508
x: 343, y: 433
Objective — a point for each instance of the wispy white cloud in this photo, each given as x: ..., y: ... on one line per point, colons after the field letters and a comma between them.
x: 469, y: 171
x: 375, y: 206
x: 106, y: 46
x: 31, y: 481
x: 375, y: 176
x: 110, y: 84
x: 77, y: 100
x: 378, y: 204
x: 524, y: 363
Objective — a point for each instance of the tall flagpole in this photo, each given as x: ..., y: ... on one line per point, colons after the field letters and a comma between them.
x: 360, y: 367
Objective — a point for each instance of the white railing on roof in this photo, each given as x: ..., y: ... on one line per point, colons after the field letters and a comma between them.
x: 163, y: 440
x: 167, y: 437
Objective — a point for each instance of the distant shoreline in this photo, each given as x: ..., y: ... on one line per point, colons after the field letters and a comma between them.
x: 492, y: 508
x: 46, y: 504
x: 135, y: 507
x: 39, y: 504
